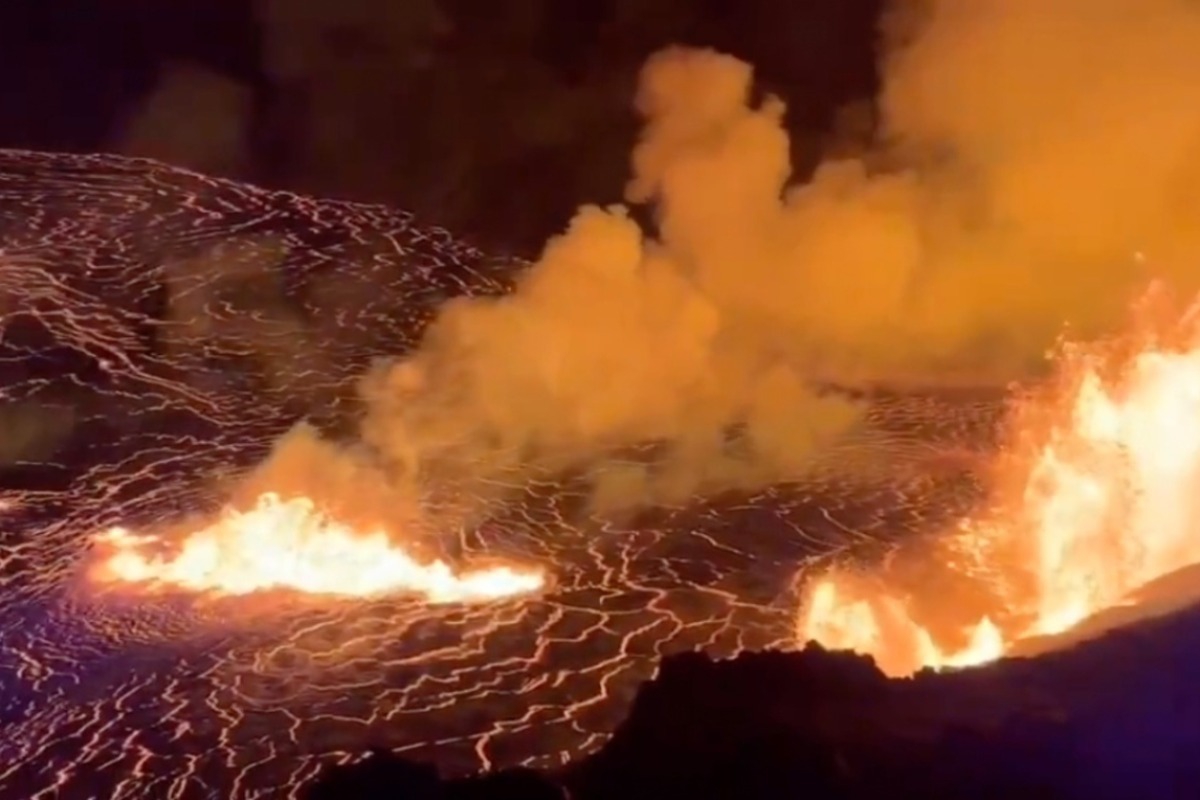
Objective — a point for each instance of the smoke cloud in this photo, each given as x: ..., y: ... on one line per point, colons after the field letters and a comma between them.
x: 1036, y: 164
x: 195, y: 118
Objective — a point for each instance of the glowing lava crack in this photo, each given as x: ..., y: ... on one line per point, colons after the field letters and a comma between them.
x: 289, y: 544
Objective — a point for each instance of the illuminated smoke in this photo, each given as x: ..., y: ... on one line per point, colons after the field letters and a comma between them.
x: 1035, y: 163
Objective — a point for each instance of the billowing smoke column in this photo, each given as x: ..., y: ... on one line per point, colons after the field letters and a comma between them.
x: 1035, y: 165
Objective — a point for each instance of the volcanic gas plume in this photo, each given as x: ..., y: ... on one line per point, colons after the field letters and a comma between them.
x: 1034, y: 169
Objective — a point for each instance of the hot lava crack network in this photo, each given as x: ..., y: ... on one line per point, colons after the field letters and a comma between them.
x: 237, y: 651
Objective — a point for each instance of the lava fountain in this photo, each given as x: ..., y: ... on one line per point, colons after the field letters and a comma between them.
x: 291, y: 545
x: 1094, y: 497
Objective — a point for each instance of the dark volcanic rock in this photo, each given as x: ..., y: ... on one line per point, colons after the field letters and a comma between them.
x: 1118, y: 717
x: 382, y: 775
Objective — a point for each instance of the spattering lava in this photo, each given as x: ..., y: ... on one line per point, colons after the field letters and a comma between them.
x: 291, y: 545
x: 1095, y: 497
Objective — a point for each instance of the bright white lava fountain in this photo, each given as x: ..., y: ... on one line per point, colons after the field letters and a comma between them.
x: 1096, y: 494
x: 289, y: 544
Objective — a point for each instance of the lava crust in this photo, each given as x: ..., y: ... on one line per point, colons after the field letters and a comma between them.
x: 164, y: 328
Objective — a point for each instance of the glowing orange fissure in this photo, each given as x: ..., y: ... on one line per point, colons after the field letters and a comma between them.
x: 289, y: 544
x: 1106, y: 468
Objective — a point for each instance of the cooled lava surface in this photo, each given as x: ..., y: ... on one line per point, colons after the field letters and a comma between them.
x: 129, y: 292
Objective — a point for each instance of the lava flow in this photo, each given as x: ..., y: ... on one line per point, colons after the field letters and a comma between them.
x: 1094, y: 499
x: 289, y: 544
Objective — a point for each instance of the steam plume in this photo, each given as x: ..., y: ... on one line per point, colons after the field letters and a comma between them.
x: 1035, y: 165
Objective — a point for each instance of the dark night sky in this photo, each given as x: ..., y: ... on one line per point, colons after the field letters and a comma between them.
x: 431, y: 98
x: 71, y: 68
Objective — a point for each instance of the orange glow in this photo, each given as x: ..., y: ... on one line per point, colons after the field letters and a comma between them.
x: 1096, y: 496
x: 289, y: 544
x: 878, y: 623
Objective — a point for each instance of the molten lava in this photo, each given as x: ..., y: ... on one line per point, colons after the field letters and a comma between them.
x: 289, y: 544
x: 1095, y: 497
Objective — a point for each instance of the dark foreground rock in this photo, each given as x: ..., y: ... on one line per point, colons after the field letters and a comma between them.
x: 1118, y: 717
